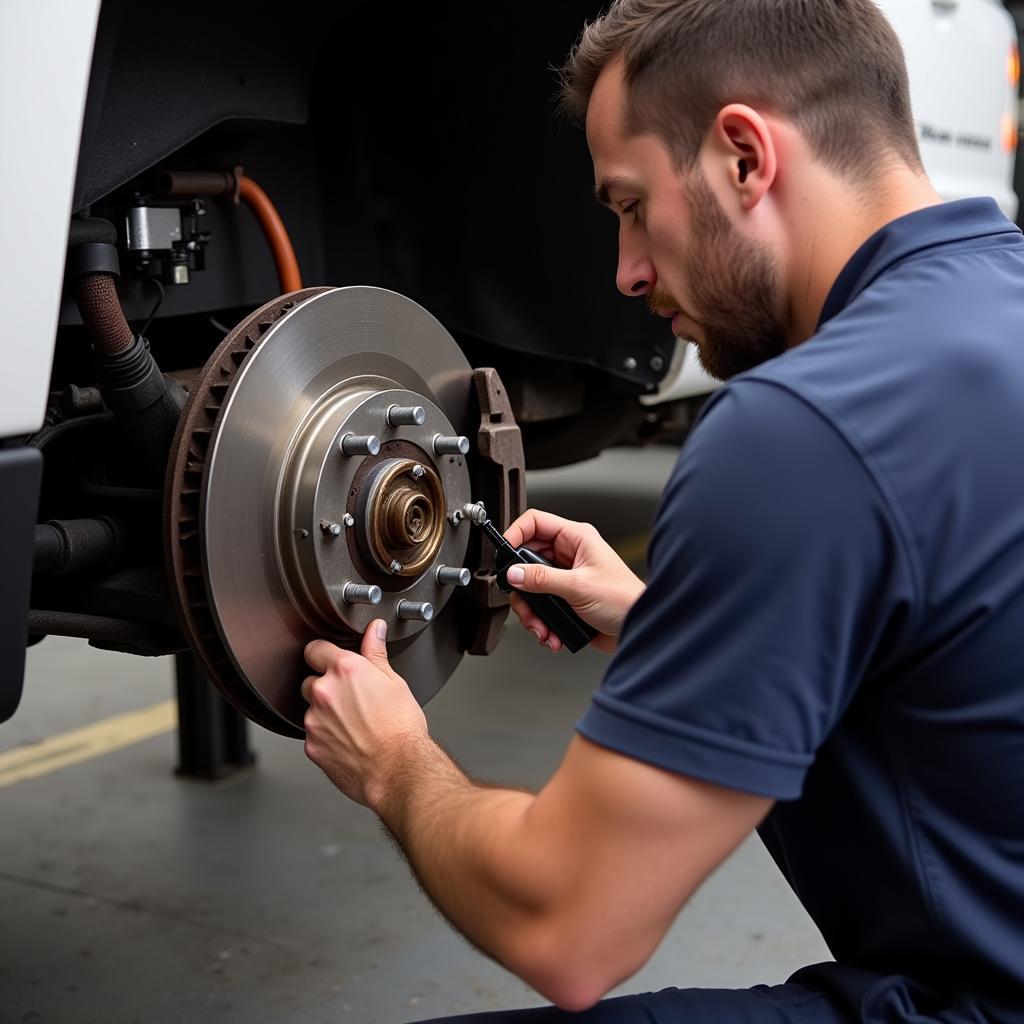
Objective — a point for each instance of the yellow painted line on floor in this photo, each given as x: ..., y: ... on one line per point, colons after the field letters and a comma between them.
x: 120, y: 731
x: 85, y: 743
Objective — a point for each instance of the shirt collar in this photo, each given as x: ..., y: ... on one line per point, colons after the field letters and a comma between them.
x: 923, y: 229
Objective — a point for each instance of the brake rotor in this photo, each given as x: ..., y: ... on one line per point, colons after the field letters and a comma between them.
x: 311, y: 489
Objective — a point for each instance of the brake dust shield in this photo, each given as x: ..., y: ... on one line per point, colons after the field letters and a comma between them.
x: 297, y: 509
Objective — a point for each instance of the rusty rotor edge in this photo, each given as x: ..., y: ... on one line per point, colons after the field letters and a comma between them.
x: 185, y: 468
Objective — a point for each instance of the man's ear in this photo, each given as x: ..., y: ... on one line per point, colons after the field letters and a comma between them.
x: 742, y: 149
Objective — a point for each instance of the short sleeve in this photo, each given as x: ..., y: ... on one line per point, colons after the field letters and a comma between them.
x: 774, y: 570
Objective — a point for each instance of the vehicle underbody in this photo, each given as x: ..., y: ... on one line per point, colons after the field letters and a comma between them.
x: 266, y: 208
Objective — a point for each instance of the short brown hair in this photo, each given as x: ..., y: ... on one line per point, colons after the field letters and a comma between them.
x: 835, y: 68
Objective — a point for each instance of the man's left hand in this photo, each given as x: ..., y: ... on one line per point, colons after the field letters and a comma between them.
x: 361, y: 715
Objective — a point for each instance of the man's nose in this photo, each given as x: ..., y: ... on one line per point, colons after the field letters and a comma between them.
x: 635, y: 274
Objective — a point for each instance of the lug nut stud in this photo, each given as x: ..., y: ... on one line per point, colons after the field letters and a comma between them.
x: 452, y: 576
x: 407, y: 415
x: 417, y: 611
x: 444, y: 445
x: 361, y: 593
x: 359, y: 444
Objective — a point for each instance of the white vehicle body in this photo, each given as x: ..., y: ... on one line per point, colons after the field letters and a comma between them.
x: 45, y: 55
x: 960, y: 55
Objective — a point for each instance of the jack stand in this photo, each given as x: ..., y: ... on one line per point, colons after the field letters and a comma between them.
x: 213, y: 738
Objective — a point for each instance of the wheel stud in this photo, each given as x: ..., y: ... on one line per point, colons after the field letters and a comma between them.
x: 450, y: 575
x: 418, y: 611
x: 359, y: 444
x: 444, y: 445
x: 407, y: 416
x: 361, y: 593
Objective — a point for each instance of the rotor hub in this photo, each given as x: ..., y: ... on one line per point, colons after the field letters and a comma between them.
x: 405, y: 516
x: 369, y: 514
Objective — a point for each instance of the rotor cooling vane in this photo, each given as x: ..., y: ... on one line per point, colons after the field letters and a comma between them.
x: 316, y: 483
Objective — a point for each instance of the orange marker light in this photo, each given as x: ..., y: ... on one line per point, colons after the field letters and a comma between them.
x: 1013, y: 66
x: 1009, y: 133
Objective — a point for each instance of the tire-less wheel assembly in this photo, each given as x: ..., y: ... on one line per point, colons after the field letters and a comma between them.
x: 317, y: 482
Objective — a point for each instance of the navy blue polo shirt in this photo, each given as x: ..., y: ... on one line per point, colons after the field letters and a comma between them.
x: 835, y: 618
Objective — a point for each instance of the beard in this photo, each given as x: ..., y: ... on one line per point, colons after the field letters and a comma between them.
x: 734, y: 289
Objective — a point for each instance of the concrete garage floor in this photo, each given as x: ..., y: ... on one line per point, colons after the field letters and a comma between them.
x: 131, y: 895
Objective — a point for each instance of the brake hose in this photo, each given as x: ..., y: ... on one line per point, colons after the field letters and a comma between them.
x: 242, y: 188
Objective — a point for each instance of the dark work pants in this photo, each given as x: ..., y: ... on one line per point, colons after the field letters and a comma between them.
x: 777, y: 1004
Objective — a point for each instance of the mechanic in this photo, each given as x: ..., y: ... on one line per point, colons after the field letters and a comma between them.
x: 829, y: 646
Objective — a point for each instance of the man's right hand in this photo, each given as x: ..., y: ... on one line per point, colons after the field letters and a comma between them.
x: 600, y: 587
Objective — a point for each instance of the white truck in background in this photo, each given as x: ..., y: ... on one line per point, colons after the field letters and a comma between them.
x: 964, y: 67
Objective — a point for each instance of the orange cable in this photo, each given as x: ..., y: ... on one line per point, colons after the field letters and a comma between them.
x: 277, y: 235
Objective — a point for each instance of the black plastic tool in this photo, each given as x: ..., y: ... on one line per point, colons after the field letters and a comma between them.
x: 556, y: 613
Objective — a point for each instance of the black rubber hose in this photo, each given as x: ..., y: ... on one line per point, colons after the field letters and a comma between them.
x: 145, y: 403
x: 70, y: 545
x: 48, y: 552
x: 132, y: 386
x: 94, y: 286
x: 88, y: 230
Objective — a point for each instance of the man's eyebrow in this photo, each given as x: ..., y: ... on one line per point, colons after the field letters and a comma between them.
x: 601, y: 192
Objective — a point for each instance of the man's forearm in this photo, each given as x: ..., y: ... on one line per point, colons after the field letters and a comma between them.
x: 469, y: 845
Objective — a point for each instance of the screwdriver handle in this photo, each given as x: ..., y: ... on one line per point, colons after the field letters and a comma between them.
x: 555, y: 612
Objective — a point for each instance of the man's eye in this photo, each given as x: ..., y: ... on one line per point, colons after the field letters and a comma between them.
x: 632, y: 208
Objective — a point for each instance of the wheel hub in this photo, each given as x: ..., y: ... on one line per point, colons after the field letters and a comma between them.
x: 378, y: 520
x: 405, y: 516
